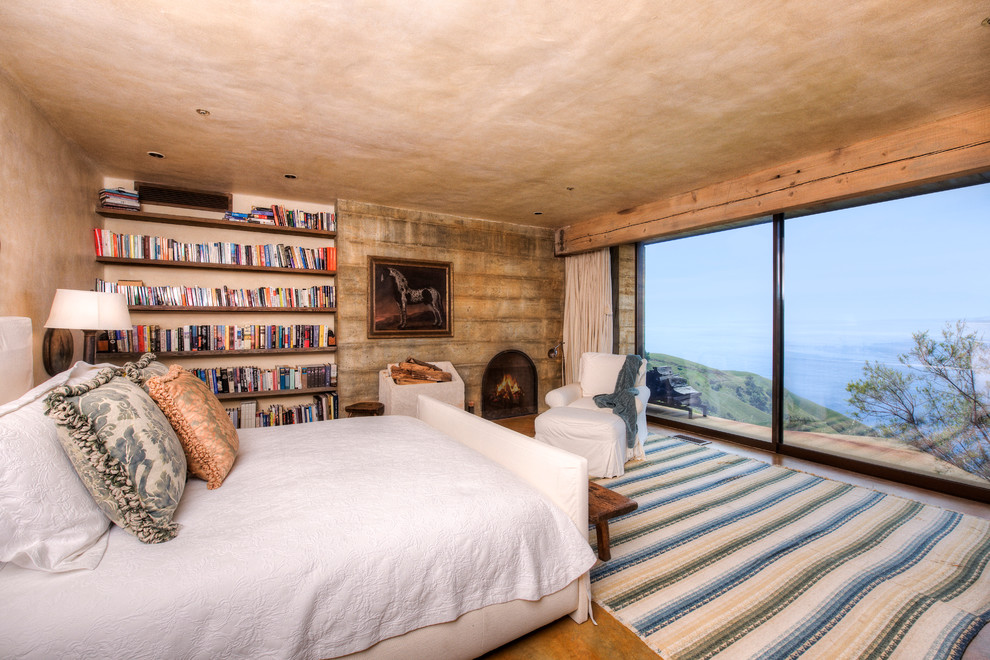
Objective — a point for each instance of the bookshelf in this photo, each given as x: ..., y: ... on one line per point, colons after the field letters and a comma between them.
x: 195, y: 221
x: 225, y: 310
x: 133, y: 355
x: 224, y: 396
x: 302, y: 241
x: 167, y: 263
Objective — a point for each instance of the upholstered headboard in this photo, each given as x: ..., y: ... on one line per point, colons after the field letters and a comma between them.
x: 16, y: 359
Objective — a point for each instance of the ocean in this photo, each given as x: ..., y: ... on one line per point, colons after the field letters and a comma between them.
x: 818, y: 362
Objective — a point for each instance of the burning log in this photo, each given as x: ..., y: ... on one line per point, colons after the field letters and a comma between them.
x: 508, y: 390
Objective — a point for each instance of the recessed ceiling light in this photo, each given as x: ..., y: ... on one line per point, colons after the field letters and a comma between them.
x: 289, y: 176
x: 203, y: 111
x: 155, y: 154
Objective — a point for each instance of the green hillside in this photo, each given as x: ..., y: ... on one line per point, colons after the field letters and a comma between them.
x: 745, y: 397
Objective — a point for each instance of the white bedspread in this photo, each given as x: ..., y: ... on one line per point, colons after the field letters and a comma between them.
x: 324, y: 539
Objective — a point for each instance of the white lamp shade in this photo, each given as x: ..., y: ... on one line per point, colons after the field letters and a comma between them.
x: 89, y: 310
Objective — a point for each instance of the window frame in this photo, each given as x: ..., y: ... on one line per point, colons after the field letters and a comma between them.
x: 777, y: 445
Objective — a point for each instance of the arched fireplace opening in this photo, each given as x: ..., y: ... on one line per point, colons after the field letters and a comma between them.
x: 509, y: 386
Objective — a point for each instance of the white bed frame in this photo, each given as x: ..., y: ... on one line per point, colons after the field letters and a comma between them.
x: 563, y: 478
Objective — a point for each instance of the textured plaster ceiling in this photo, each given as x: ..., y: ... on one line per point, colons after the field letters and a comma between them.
x: 486, y: 109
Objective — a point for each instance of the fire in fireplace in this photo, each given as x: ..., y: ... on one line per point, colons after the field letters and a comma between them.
x: 509, y: 386
x: 508, y: 391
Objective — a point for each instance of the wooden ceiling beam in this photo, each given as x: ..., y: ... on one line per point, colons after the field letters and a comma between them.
x: 953, y: 147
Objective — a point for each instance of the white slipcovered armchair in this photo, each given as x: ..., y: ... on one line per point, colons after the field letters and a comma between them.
x: 576, y: 423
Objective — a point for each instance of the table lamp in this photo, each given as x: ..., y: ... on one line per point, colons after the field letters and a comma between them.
x: 89, y: 311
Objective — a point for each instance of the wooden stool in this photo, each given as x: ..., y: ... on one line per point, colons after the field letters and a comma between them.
x: 365, y: 409
x: 602, y: 505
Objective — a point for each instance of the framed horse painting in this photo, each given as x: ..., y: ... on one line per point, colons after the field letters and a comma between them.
x: 409, y: 298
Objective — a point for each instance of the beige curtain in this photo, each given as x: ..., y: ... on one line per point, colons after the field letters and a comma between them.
x: 587, y: 308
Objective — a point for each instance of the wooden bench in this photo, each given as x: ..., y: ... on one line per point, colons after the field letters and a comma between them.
x: 365, y: 409
x: 603, y: 505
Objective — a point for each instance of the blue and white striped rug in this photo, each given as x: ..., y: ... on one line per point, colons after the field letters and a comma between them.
x: 730, y: 557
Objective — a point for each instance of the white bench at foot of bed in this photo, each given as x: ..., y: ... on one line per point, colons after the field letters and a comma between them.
x: 563, y: 478
x: 558, y: 474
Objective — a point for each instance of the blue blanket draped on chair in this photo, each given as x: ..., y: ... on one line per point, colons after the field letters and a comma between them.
x: 622, y: 400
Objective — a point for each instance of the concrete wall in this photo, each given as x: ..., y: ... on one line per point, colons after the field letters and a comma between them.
x: 507, y: 293
x: 625, y: 293
x: 48, y: 188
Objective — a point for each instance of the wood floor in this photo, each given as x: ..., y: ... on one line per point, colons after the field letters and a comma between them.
x: 563, y: 638
x: 610, y: 639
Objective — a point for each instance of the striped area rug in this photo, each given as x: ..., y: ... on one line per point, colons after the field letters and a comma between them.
x: 729, y: 557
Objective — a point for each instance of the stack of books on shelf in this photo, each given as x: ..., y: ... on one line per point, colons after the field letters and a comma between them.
x: 119, y: 198
x: 258, y: 215
x: 245, y: 380
x: 159, y: 248
x: 247, y: 415
x: 279, y: 216
x: 190, y: 296
x: 207, y: 337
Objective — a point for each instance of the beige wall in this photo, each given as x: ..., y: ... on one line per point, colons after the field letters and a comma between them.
x: 47, y: 191
x: 508, y: 293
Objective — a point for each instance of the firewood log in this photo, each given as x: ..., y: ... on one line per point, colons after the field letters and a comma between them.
x: 423, y: 364
x: 435, y: 376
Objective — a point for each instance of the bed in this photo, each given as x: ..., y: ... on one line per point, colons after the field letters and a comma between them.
x: 442, y: 535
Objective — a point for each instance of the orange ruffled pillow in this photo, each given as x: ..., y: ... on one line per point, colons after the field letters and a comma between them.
x: 204, y: 429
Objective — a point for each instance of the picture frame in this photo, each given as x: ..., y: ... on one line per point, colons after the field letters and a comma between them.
x: 409, y: 298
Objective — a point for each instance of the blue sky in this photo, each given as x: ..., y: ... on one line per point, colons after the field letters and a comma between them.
x: 853, y: 278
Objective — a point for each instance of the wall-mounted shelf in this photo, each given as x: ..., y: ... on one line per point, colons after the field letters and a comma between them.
x: 271, y: 393
x: 193, y: 221
x: 200, y: 264
x: 305, y: 255
x: 110, y: 355
x: 253, y: 310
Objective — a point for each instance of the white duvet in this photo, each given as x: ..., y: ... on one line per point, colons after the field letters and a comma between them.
x: 324, y: 539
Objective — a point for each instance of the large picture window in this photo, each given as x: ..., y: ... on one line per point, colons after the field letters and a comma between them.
x: 709, y: 323
x: 884, y: 340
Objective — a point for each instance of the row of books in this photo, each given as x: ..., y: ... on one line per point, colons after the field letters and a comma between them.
x: 280, y: 216
x: 214, y: 338
x: 159, y: 248
x: 190, y: 296
x: 276, y: 215
x: 120, y: 198
x: 244, y: 380
x: 247, y: 415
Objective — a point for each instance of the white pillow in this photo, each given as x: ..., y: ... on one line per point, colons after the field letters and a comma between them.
x: 48, y: 520
x: 598, y: 372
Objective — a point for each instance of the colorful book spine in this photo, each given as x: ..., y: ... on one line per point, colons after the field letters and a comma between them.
x: 279, y: 216
x: 199, y: 337
x: 159, y: 248
x: 245, y: 380
x: 325, y: 407
x: 323, y: 297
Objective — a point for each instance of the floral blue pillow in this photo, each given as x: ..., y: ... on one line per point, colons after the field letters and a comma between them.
x: 124, y: 450
x: 144, y: 368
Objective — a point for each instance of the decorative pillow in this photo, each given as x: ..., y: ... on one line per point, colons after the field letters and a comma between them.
x: 144, y: 368
x: 198, y: 417
x: 599, y: 372
x: 48, y: 521
x: 124, y: 450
